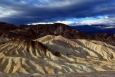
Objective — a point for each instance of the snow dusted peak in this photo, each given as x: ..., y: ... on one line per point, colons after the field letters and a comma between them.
x: 108, y: 27
x: 104, y: 27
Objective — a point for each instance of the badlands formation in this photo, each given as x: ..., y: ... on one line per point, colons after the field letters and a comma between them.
x: 58, y: 53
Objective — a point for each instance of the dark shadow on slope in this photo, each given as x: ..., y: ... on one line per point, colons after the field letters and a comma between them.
x: 81, y: 44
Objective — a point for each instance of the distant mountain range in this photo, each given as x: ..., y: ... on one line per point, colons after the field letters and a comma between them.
x: 96, y: 29
x: 30, y: 32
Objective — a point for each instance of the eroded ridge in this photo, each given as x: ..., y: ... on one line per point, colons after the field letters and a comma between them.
x: 56, y: 55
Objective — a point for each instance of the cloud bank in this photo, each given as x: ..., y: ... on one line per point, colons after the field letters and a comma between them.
x: 35, y: 11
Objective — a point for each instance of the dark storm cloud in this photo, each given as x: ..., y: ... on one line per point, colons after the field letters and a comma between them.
x: 29, y: 11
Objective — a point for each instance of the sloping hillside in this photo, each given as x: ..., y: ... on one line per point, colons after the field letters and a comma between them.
x: 57, y: 55
x: 53, y: 49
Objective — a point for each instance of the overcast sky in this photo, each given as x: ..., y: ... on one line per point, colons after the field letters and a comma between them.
x: 71, y: 12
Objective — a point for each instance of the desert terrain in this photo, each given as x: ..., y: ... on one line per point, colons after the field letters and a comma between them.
x: 55, y: 51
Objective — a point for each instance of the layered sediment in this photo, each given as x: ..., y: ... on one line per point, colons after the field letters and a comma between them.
x: 54, y: 49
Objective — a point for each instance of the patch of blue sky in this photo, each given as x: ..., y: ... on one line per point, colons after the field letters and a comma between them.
x: 83, y: 19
